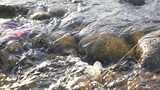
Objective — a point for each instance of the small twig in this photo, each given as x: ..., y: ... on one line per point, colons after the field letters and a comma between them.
x: 129, y: 52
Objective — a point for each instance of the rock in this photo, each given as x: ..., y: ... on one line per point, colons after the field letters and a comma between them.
x: 14, y: 46
x: 7, y: 11
x: 104, y: 46
x: 66, y: 40
x: 136, y: 2
x: 144, y: 80
x: 79, y: 77
x: 95, y: 70
x: 40, y: 40
x: 3, y: 79
x: 64, y: 44
x: 22, y: 10
x: 11, y: 11
x: 40, y: 16
x: 134, y: 32
x: 57, y: 12
x: 112, y: 79
x: 76, y: 1
x: 60, y: 65
x: 149, y: 49
x: 4, y: 61
x: 39, y: 13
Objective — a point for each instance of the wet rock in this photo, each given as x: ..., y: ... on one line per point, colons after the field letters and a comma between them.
x: 14, y: 46
x: 79, y: 77
x: 134, y: 32
x: 4, y: 61
x: 40, y: 40
x: 136, y: 2
x: 64, y: 43
x: 3, y: 79
x: 57, y: 12
x: 67, y: 40
x: 42, y: 74
x: 40, y: 16
x: 144, y: 81
x: 95, y: 70
x: 22, y: 10
x: 39, y: 13
x: 104, y: 46
x: 149, y: 48
x: 76, y: 1
x: 8, y: 11
x: 112, y: 78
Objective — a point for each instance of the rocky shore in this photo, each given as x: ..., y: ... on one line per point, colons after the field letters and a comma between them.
x: 80, y: 44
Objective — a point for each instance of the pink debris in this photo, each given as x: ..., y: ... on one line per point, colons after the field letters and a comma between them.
x: 19, y: 34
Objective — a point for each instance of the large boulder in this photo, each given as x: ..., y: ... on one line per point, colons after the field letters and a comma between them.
x: 150, y: 50
x: 104, y: 46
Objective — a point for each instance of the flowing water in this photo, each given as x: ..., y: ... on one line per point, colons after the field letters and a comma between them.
x: 79, y: 44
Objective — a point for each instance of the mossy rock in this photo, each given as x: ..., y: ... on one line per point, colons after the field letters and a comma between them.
x: 104, y: 45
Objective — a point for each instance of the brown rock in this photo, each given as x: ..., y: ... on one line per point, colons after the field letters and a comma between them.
x: 104, y: 46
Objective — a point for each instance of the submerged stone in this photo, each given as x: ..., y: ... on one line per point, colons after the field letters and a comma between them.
x: 11, y: 11
x: 57, y: 12
x: 64, y: 44
x: 136, y: 2
x: 104, y: 46
x: 7, y: 11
